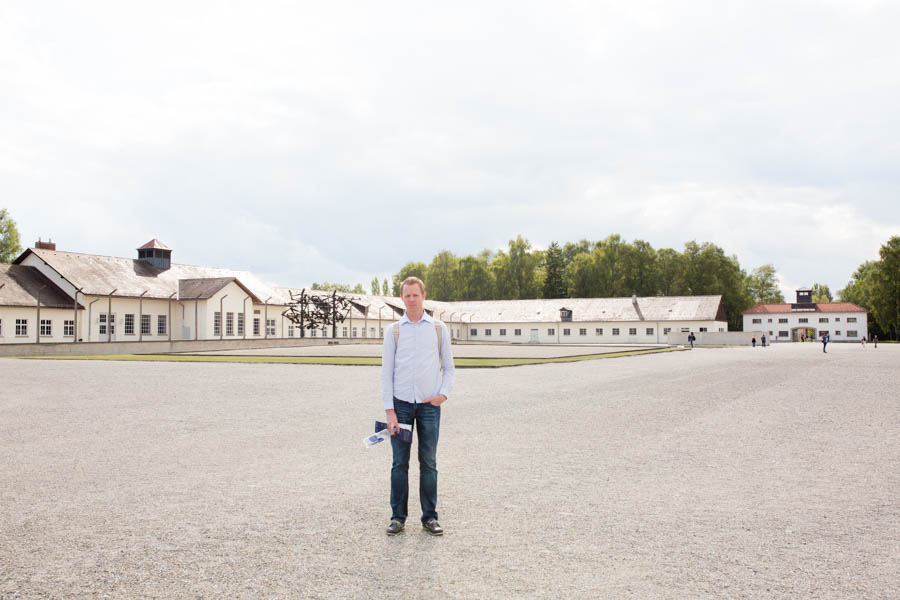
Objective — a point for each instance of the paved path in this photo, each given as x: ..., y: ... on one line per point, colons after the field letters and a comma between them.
x: 727, y: 473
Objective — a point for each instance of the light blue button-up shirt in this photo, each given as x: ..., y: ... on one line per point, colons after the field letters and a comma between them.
x: 415, y: 371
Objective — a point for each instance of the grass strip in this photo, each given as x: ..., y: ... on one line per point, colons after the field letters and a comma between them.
x: 346, y: 360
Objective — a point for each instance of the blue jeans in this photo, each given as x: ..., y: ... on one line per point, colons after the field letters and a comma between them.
x: 427, y: 419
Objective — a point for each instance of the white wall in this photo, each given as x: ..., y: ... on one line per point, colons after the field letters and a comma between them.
x: 837, y: 325
x: 606, y: 335
x: 56, y: 317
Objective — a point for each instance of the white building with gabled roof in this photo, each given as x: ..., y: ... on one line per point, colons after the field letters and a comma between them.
x: 805, y: 319
x: 151, y: 298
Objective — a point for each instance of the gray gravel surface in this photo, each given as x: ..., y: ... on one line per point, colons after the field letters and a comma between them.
x: 726, y: 473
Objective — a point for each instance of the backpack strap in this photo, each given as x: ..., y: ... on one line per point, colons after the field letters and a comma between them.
x: 437, y: 330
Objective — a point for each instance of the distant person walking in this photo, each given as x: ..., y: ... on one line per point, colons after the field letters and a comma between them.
x: 763, y: 340
x: 824, y: 341
x: 875, y: 339
x: 691, y: 338
x: 753, y: 341
x: 863, y: 340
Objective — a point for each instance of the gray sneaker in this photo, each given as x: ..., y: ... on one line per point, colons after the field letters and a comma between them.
x: 433, y: 527
x: 395, y: 527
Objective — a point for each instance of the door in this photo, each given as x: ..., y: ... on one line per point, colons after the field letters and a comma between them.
x: 534, y: 336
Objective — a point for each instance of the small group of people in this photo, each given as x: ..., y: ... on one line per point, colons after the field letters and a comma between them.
x: 762, y: 339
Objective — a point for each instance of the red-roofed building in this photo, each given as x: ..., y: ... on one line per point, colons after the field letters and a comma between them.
x: 841, y: 321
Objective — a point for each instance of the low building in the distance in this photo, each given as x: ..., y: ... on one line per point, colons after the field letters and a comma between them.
x: 53, y: 296
x: 808, y: 320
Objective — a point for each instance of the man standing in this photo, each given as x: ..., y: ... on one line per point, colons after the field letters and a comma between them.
x: 825, y: 341
x: 416, y: 377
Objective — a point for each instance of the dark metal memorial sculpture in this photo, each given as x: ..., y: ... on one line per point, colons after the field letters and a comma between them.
x: 310, y: 311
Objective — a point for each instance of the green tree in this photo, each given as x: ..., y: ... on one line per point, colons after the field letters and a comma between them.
x: 581, y: 276
x: 523, y: 266
x: 375, y: 286
x: 411, y: 269
x: 821, y: 293
x: 554, y: 272
x: 709, y: 271
x: 9, y: 238
x: 762, y: 284
x: 338, y: 287
x: 858, y: 289
x: 475, y: 281
x: 669, y: 267
x: 385, y: 287
x: 885, y: 288
x: 639, y: 268
x: 610, y: 268
x: 441, y: 276
x: 570, y: 250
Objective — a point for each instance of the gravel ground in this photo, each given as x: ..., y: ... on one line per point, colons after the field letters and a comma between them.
x: 459, y: 350
x: 716, y: 473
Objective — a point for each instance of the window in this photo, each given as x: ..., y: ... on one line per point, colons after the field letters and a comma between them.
x: 343, y: 332
x: 582, y: 331
x: 46, y: 327
x: 721, y: 330
x: 685, y: 330
x: 290, y: 331
x: 229, y: 323
x: 837, y: 319
x: 217, y: 323
x: 803, y: 320
x: 567, y: 331
x: 851, y: 320
x: 270, y: 326
x: 666, y: 330
x: 145, y: 324
x: 770, y: 320
x: 852, y: 333
x: 240, y: 330
x: 632, y: 331
x: 615, y: 331
x: 381, y: 332
x: 372, y: 331
x: 256, y: 311
x: 782, y: 320
x: 255, y: 325
x: 517, y: 332
x: 565, y: 315
x: 487, y: 332
x: 783, y: 334
x: 703, y: 330
x: 823, y: 319
x: 551, y: 331
x: 354, y: 332
x: 473, y: 332
x: 22, y: 327
x: 69, y: 328
x: 837, y: 333
x: 103, y: 322
x: 364, y: 332
x: 312, y: 332
x: 649, y: 331
x: 162, y: 324
x: 129, y: 324
x: 502, y: 332
x: 757, y: 321
x: 598, y: 331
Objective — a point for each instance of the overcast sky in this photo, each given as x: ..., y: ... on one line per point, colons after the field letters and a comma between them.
x: 310, y: 141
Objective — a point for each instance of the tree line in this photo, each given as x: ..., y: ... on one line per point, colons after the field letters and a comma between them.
x: 612, y: 267
x: 876, y: 286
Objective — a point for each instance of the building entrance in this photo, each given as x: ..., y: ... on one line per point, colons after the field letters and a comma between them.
x: 801, y: 334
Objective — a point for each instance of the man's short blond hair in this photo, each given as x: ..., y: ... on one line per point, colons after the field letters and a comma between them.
x: 411, y: 281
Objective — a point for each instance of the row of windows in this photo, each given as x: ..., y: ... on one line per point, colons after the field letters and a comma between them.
x: 146, y: 324
x: 806, y: 320
x: 566, y: 331
x: 851, y: 333
x: 45, y: 327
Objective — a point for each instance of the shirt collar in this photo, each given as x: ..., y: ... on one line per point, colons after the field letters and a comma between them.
x: 425, y: 317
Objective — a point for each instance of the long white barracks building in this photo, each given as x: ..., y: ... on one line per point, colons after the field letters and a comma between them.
x: 51, y: 296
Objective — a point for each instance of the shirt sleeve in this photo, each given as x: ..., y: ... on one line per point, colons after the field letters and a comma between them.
x: 446, y: 363
x: 388, y: 353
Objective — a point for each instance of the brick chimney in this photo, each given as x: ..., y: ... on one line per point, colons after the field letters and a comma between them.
x: 48, y: 245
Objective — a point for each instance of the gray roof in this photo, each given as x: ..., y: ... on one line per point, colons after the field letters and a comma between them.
x: 99, y: 275
x: 21, y: 286
x: 651, y: 308
x: 201, y: 289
